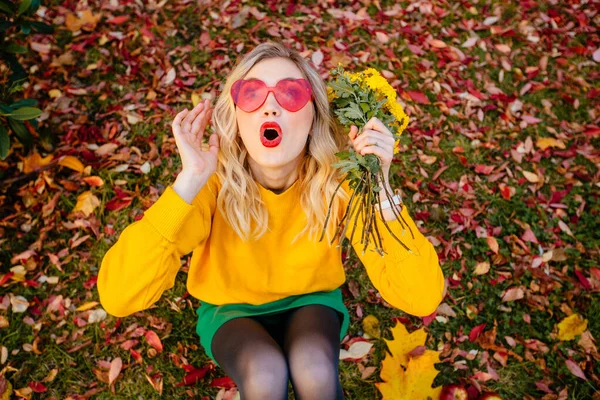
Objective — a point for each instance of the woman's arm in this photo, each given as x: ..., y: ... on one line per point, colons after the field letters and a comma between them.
x: 413, y: 282
x: 144, y: 261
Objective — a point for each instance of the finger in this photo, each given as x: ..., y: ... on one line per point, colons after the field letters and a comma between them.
x: 189, y: 119
x: 376, y: 124
x: 383, y: 154
x: 213, y: 144
x: 199, y: 123
x: 176, y: 125
x: 370, y: 137
x: 353, y: 132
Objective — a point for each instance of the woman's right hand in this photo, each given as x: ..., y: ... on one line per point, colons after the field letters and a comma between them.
x: 188, y: 129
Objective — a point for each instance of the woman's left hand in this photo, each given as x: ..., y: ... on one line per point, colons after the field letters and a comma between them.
x: 375, y: 139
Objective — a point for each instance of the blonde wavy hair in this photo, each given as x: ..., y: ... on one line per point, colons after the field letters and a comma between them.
x: 239, y: 198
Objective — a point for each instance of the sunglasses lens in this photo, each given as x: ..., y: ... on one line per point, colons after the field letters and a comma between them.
x: 250, y: 94
x: 292, y: 94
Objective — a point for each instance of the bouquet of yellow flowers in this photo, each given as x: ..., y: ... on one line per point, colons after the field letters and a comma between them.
x: 355, y: 99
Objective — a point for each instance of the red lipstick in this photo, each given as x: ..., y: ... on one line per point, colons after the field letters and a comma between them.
x: 270, y: 134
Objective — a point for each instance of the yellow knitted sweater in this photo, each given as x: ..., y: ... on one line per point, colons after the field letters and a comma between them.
x: 144, y: 261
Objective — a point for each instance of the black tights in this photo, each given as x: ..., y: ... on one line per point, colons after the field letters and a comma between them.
x: 260, y: 356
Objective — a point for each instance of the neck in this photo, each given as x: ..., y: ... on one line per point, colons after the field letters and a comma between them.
x: 276, y: 180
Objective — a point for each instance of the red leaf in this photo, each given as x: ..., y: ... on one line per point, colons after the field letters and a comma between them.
x: 153, y: 340
x: 5, y: 278
x: 194, y: 376
x: 37, y: 387
x: 419, y: 97
x: 584, y: 281
x: 118, y: 20
x: 428, y: 319
x: 224, y: 382
x: 484, y: 169
x: 476, y: 331
x: 417, y: 351
x: 136, y: 356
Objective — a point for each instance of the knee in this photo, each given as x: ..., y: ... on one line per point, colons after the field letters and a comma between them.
x: 266, y: 378
x: 317, y: 382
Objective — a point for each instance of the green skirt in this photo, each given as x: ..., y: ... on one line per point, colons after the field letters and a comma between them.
x: 211, y: 317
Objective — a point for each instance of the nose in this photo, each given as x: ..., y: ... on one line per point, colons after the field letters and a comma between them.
x: 271, y: 106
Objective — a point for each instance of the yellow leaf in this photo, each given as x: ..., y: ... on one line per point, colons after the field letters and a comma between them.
x: 408, y: 378
x: 571, y: 326
x: 87, y: 306
x: 545, y: 142
x: 86, y: 203
x: 482, y: 267
x: 71, y: 162
x: 531, y: 177
x: 371, y: 326
x: 7, y: 390
x: 195, y: 99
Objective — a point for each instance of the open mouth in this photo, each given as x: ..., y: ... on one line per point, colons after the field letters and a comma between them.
x: 270, y: 134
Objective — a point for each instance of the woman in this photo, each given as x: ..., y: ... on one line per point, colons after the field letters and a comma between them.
x: 251, y: 207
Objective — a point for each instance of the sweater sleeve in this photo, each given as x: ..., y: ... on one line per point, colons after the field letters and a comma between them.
x: 412, y: 282
x: 144, y: 261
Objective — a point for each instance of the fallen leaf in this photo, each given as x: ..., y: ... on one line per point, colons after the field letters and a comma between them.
x: 503, y: 48
x: 356, y: 351
x: 571, y: 326
x: 114, y: 370
x: 419, y: 97
x: 370, y: 325
x: 482, y: 268
x: 545, y: 142
x: 153, y: 339
x: 404, y: 377
x: 86, y: 203
x: 531, y: 177
x: 71, y: 162
x: 87, y: 306
x: 575, y: 369
x: 512, y: 294
x: 493, y: 244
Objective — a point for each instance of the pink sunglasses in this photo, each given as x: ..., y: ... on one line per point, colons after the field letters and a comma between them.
x: 291, y: 94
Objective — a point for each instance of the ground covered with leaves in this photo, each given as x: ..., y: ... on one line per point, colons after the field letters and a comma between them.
x: 499, y: 167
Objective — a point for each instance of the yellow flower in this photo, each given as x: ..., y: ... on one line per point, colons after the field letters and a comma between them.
x: 379, y: 84
x: 331, y: 94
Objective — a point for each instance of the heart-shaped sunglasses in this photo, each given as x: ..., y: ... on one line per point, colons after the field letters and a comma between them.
x: 291, y: 94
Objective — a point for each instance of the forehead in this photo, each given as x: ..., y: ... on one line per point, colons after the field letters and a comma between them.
x: 273, y: 70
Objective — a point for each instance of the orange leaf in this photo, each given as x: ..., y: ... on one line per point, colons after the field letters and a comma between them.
x: 545, y: 142
x: 154, y: 340
x: 71, y: 162
x: 35, y: 161
x: 493, y: 243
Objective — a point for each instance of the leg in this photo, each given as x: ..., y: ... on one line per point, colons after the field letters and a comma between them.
x: 250, y: 356
x: 312, y: 347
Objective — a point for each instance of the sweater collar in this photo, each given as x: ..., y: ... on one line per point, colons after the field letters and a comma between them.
x: 287, y: 193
